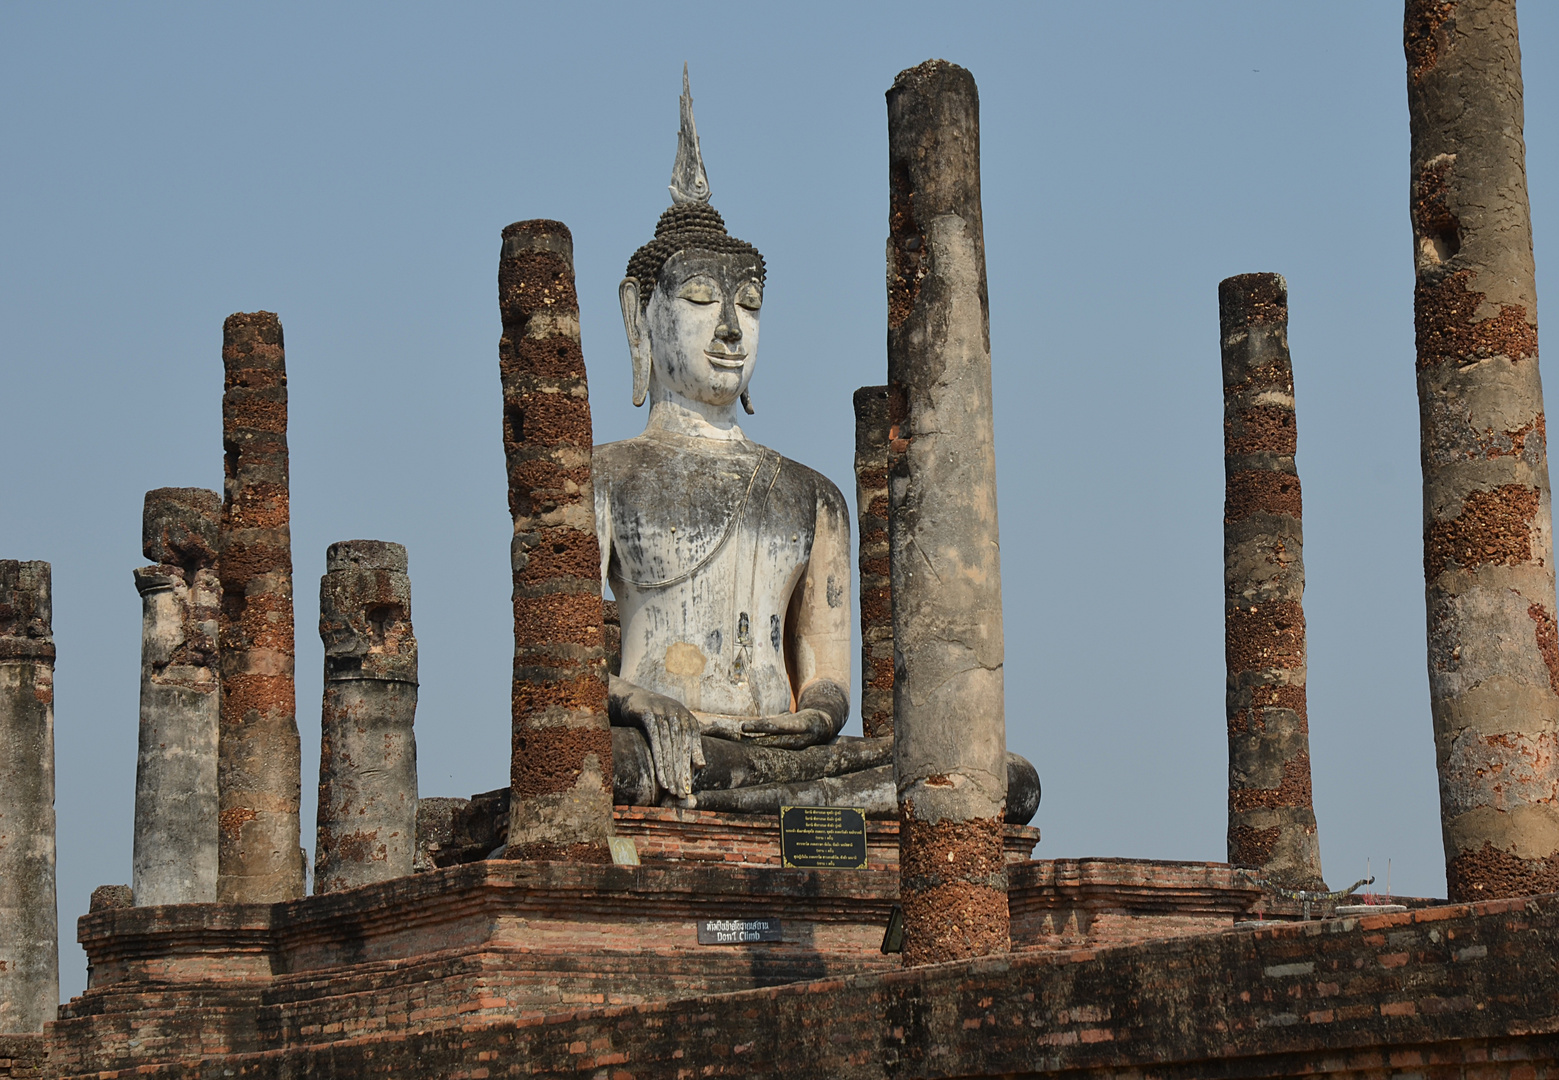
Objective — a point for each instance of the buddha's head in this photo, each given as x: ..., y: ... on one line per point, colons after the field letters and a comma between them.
x: 691, y: 298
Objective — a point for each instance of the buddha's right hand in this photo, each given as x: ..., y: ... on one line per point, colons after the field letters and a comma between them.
x: 671, y: 730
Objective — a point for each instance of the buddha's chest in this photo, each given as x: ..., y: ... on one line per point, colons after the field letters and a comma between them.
x: 740, y: 526
x: 704, y: 563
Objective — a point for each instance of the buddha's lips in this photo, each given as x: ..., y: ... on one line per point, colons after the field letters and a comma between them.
x: 726, y: 360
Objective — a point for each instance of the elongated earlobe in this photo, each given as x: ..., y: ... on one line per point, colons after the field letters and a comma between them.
x: 638, y: 341
x: 747, y: 403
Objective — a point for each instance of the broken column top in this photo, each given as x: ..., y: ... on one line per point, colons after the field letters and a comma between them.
x: 944, y: 73
x: 940, y: 102
x: 26, y: 611
x: 536, y: 236
x: 244, y: 330
x: 365, y: 612
x: 871, y: 420
x: 179, y: 526
x: 1246, y: 300
x: 365, y: 555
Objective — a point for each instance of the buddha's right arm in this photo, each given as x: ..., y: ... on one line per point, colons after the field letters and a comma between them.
x: 671, y: 730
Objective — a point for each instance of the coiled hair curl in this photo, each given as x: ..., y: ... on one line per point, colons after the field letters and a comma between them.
x: 691, y: 226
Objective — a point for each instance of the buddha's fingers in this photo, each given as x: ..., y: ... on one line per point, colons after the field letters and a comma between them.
x: 682, y: 754
x: 692, y: 750
x: 663, y: 750
x: 805, y: 722
x: 672, y: 753
x: 769, y: 725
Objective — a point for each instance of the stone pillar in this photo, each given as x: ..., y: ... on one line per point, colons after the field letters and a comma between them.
x: 1271, y: 816
x: 29, y: 937
x: 871, y: 510
x: 260, y: 760
x: 367, y: 754
x: 561, y: 769
x: 949, y: 723
x: 175, y: 853
x: 1488, y: 527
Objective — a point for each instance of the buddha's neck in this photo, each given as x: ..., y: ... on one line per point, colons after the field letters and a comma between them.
x: 682, y: 416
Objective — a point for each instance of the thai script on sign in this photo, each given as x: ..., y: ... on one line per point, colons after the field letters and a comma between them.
x: 737, y: 931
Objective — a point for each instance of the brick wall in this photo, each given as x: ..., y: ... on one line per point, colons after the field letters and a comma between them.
x: 502, y: 939
x: 22, y: 1057
x: 663, y: 833
x: 495, y: 939
x: 1071, y: 903
x: 1469, y: 991
x: 455, y: 831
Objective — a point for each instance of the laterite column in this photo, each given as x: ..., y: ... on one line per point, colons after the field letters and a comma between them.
x: 1271, y: 816
x: 1488, y: 527
x: 175, y: 851
x: 871, y: 511
x: 945, y: 558
x: 368, y: 754
x: 561, y: 769
x: 259, y: 764
x: 29, y: 937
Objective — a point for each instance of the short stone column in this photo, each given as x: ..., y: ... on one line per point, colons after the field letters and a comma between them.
x: 1493, y: 636
x: 949, y: 724
x: 175, y: 849
x: 871, y: 512
x: 561, y: 765
x: 367, y: 754
x: 29, y: 937
x: 1271, y: 816
x: 259, y: 762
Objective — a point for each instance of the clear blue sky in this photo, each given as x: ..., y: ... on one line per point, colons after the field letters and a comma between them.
x: 350, y: 166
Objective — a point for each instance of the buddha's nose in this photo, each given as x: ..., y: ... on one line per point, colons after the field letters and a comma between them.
x: 728, y: 329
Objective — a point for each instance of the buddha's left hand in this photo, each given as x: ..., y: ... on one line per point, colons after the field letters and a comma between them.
x: 815, y: 723
x: 823, y: 706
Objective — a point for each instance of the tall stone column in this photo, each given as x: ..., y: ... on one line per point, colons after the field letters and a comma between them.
x: 259, y: 764
x: 1271, y: 816
x: 1488, y: 526
x: 29, y: 936
x: 367, y: 754
x: 871, y: 511
x: 175, y: 852
x: 948, y: 714
x: 561, y: 769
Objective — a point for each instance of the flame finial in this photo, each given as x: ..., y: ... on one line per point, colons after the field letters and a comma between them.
x: 689, y: 183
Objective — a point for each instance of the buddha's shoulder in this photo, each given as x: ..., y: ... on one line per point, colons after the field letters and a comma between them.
x: 645, y: 456
x: 824, y: 490
x: 658, y: 461
x: 810, y: 488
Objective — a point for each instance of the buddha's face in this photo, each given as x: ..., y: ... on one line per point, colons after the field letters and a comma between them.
x: 702, y: 323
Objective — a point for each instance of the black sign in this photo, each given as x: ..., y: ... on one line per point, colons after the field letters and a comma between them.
x: 823, y: 837
x: 737, y: 931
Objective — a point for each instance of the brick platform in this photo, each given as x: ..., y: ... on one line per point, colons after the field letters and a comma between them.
x: 1464, y: 991
x: 478, y: 946
x: 490, y: 939
x: 22, y: 1057
x: 1067, y: 903
x: 664, y: 833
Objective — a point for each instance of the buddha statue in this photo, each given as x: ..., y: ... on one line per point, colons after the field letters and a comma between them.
x: 730, y: 564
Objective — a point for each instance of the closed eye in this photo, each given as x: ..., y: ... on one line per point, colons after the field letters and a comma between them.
x: 698, y: 292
